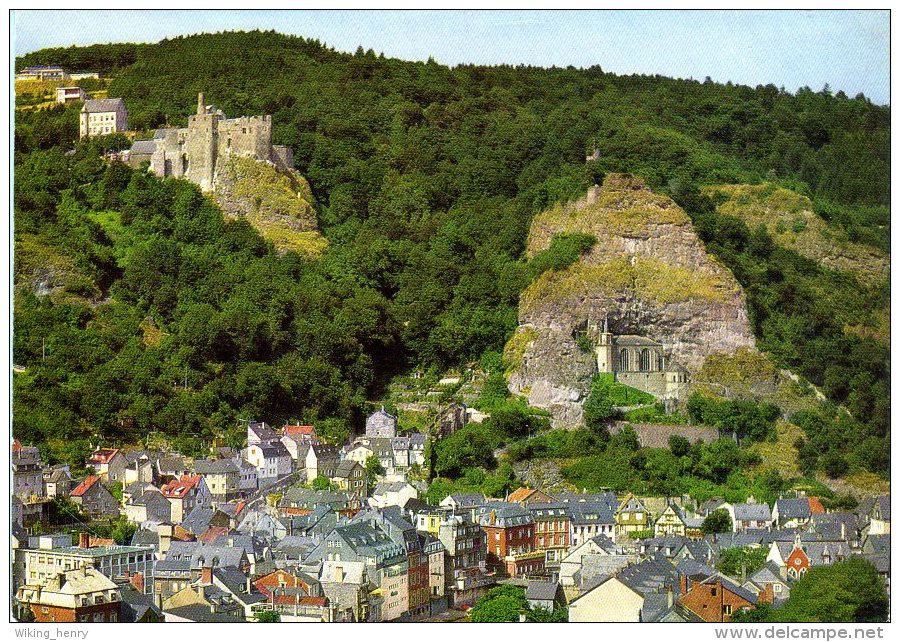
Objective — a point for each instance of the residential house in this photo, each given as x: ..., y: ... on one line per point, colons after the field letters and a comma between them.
x: 27, y: 474
x: 137, y: 606
x: 570, y: 567
x: 880, y: 516
x: 56, y: 481
x: 439, y: 572
x: 525, y: 496
x: 463, y: 501
x: 717, y: 599
x: 346, y: 586
x: 465, y: 543
x: 591, y: 518
x: 294, y: 595
x: 386, y: 562
x: 631, y: 516
x: 100, y: 117
x: 295, y: 436
x: 78, y: 595
x: 392, y: 494
x: 381, y: 423
x: 510, y: 539
x: 791, y: 512
x: 750, y: 516
x: 148, y: 505
x: 671, y: 522
x: 139, y: 467
x: 94, y: 499
x: 351, y: 477
x: 643, y: 592
x: 794, y: 559
x: 259, y: 432
x: 318, y: 460
x: 551, y: 530
x: 608, y: 599
x: 171, y: 466
x: 249, y: 476
x: 66, y: 95
x: 185, y: 494
x: 271, y: 460
x: 768, y: 578
x: 222, y: 477
x: 109, y: 464
x: 544, y: 595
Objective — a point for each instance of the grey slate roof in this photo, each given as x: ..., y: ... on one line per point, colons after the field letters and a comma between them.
x: 215, y: 466
x: 752, y: 512
x: 792, y: 508
x: 100, y: 105
x: 543, y: 591
x: 143, y: 147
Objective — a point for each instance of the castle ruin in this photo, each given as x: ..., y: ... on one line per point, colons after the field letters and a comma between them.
x: 195, y: 152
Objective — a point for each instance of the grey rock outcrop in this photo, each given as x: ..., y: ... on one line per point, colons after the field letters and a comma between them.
x: 648, y: 274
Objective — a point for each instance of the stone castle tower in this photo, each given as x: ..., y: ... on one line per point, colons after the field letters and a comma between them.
x: 195, y: 152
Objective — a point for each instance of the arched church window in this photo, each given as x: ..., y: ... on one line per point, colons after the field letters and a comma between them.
x: 623, y: 360
x: 645, y: 360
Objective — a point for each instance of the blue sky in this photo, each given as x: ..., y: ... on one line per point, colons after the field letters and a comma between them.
x: 849, y: 50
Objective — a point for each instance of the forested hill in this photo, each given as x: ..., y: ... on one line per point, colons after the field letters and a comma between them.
x: 428, y: 178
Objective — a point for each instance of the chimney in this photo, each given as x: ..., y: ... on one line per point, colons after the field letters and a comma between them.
x: 137, y: 581
x: 84, y: 540
x: 206, y: 575
x: 843, y: 530
x: 201, y: 104
x: 684, y: 585
x: 670, y: 597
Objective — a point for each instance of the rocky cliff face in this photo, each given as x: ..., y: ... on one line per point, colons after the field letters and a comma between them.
x: 648, y: 274
x: 277, y: 202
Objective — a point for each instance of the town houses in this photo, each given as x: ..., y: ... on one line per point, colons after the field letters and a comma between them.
x: 319, y: 532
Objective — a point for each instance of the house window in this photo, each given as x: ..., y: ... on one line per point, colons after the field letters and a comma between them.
x: 726, y: 609
x: 713, y: 591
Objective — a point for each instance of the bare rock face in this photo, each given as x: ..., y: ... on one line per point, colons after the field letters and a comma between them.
x: 648, y: 274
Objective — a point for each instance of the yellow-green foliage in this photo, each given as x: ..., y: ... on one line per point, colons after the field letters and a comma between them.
x: 621, y: 207
x: 780, y: 455
x: 791, y: 222
x: 514, y: 351
x: 648, y: 278
x: 152, y: 334
x: 743, y: 366
x: 279, y: 205
x: 39, y: 264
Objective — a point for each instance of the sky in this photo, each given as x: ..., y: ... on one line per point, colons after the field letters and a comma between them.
x: 848, y: 50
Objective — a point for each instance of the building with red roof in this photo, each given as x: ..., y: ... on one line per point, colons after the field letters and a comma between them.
x: 109, y: 463
x: 185, y: 494
x: 95, y: 499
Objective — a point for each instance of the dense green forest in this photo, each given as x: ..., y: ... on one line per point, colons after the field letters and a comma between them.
x: 427, y: 178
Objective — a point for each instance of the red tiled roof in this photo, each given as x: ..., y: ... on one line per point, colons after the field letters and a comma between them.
x: 179, y: 488
x: 815, y: 506
x: 103, y: 455
x: 213, y: 533
x: 520, y: 494
x: 239, y: 507
x: 84, y: 486
x: 16, y: 446
x: 299, y: 430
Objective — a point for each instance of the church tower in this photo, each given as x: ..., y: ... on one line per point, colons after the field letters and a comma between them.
x: 604, y: 349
